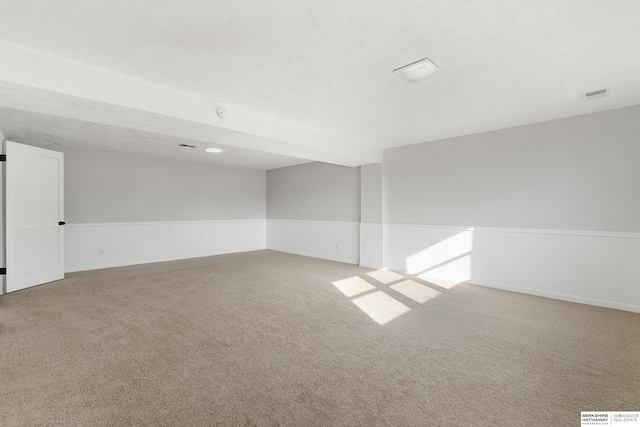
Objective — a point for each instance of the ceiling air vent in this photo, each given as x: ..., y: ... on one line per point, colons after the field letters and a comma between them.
x: 600, y: 93
x: 186, y: 145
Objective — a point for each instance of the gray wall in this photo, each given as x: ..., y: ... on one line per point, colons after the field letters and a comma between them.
x: 314, y: 192
x: 104, y: 187
x: 578, y: 173
x: 371, y: 193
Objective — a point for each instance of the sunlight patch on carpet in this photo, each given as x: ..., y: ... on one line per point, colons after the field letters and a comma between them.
x: 353, y: 286
x: 385, y: 276
x: 380, y: 307
x: 416, y: 291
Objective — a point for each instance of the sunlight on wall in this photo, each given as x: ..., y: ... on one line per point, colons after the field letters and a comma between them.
x: 446, y: 263
x: 450, y: 274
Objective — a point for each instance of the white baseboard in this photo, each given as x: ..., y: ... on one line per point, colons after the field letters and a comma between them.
x: 94, y: 246
x: 559, y: 296
x: 597, y: 268
x: 332, y: 240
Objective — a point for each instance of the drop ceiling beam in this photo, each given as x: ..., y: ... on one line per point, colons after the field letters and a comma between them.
x: 59, y: 84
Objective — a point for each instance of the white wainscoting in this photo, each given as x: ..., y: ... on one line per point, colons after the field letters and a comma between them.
x: 371, y: 245
x: 333, y: 240
x: 597, y: 268
x: 93, y: 246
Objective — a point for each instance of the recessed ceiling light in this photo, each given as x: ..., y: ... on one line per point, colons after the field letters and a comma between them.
x: 213, y: 150
x: 418, y: 70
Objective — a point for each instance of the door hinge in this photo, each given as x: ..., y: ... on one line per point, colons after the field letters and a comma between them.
x: 3, y: 271
x: 3, y: 157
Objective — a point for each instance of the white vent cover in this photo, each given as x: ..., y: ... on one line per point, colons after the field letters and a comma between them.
x: 600, y: 93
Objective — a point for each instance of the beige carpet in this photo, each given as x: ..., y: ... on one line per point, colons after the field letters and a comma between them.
x: 265, y: 338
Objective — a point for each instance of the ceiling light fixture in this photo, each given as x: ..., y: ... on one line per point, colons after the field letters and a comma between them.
x: 213, y: 150
x: 418, y: 70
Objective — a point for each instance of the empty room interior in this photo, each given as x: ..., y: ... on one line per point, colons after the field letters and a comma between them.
x: 319, y: 213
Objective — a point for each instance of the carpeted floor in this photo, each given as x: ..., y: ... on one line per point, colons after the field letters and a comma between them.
x: 265, y: 338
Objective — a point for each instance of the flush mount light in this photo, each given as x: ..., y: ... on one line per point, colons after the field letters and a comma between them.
x: 418, y: 70
x: 213, y: 150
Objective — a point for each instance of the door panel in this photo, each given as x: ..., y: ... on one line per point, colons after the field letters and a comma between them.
x: 34, y: 205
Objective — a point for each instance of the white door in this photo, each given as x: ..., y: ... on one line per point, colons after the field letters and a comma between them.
x: 34, y: 216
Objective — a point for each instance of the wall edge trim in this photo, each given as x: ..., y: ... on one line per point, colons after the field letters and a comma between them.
x: 560, y: 232
x: 152, y: 261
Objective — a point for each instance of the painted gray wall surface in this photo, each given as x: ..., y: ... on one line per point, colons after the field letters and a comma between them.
x: 106, y: 187
x: 578, y: 173
x: 371, y: 193
x: 314, y: 192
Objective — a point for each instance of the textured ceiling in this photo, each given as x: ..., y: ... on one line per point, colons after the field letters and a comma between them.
x: 327, y: 65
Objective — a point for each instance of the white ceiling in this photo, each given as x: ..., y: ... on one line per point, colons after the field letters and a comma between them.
x: 327, y: 66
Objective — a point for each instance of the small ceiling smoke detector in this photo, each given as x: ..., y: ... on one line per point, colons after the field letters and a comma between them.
x: 418, y: 70
x: 600, y: 93
x: 213, y: 150
x: 222, y: 111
